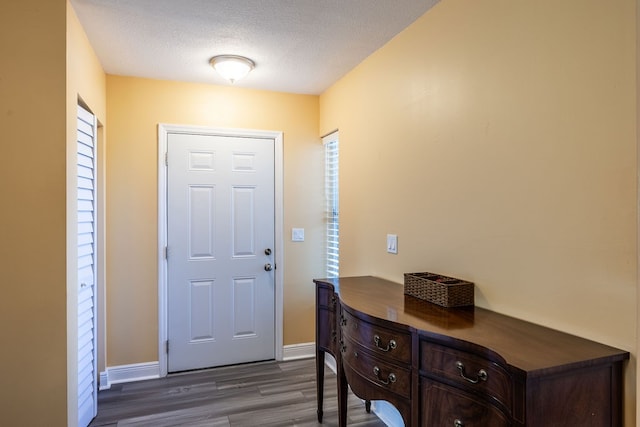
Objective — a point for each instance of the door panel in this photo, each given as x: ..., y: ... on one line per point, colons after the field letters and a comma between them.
x: 244, y: 324
x: 201, y: 221
x: 87, y: 363
x: 243, y: 214
x: 201, y: 307
x: 220, y: 208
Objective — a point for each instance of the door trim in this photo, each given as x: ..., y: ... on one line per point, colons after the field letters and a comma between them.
x: 163, y: 131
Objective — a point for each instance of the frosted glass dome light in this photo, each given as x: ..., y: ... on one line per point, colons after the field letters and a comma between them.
x: 232, y: 67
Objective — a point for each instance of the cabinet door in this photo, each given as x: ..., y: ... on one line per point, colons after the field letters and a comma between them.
x: 325, y: 296
x: 589, y: 398
x: 447, y: 406
x: 326, y: 320
x: 327, y: 330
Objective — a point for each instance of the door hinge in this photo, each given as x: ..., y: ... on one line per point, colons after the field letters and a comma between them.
x: 166, y: 159
x: 166, y: 346
x: 166, y: 252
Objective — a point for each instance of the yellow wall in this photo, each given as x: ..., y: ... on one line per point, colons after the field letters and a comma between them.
x: 498, y: 140
x: 36, y: 96
x: 33, y: 214
x: 135, y: 108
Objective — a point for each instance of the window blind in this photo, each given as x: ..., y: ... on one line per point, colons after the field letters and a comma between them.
x: 331, y: 168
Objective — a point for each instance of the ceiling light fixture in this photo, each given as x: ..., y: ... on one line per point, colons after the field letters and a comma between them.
x: 232, y: 67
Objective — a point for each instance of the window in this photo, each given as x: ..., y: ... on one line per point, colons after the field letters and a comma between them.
x: 332, y: 204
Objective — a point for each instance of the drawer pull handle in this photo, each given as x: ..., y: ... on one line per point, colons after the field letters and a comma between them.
x: 458, y: 423
x: 392, y: 344
x: 390, y: 379
x: 482, y: 374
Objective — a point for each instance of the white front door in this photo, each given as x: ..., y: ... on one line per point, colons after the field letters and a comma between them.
x: 87, y: 364
x: 220, y: 252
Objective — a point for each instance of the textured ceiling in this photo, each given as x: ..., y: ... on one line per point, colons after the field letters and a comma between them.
x: 299, y: 46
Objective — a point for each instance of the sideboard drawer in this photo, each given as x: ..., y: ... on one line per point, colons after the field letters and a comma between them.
x: 444, y: 405
x: 468, y: 370
x: 394, y: 345
x: 385, y: 375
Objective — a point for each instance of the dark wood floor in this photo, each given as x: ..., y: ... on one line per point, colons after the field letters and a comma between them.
x: 261, y: 394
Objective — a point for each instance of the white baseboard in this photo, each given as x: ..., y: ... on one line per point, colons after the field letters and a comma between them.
x: 330, y: 362
x: 151, y: 370
x: 104, y: 381
x: 129, y: 373
x: 299, y: 351
x: 387, y: 413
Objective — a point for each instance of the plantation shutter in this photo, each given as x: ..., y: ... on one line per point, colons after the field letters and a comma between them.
x: 87, y: 363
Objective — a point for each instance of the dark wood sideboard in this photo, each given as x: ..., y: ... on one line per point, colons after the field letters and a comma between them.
x: 460, y: 367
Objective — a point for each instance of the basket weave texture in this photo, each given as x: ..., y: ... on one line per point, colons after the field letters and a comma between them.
x: 442, y: 290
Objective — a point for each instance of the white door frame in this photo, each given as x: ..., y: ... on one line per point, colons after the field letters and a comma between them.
x: 163, y: 131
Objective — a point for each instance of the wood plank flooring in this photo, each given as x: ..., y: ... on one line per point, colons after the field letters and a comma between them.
x: 266, y: 394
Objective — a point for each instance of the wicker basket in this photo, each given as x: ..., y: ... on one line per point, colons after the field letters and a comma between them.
x: 442, y: 290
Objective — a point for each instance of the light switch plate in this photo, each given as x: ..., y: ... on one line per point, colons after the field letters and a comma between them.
x: 392, y: 243
x: 297, y: 234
